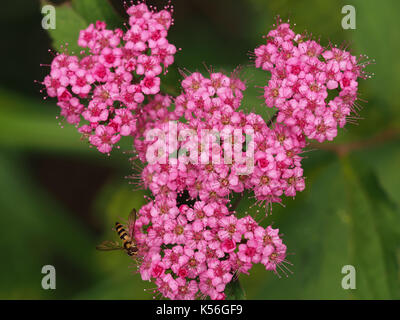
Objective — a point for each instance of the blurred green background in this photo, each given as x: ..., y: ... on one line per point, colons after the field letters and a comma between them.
x: 59, y: 198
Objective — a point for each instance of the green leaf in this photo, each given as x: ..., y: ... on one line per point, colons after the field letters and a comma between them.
x: 68, y: 25
x: 234, y: 290
x: 375, y: 225
x: 384, y: 159
x: 30, y: 125
x: 344, y: 217
x: 311, y: 226
x: 117, y: 199
x: 97, y: 10
x: 380, y: 43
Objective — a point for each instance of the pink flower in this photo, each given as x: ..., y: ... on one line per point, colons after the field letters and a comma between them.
x: 149, y: 66
x: 167, y: 285
x: 186, y: 289
x: 207, y: 288
x: 265, y: 56
x: 250, y: 252
x: 228, y: 245
x: 194, y: 261
x: 71, y: 110
x: 96, y: 112
x: 104, y: 138
x: 150, y: 85
x: 273, y: 257
x: 228, y: 229
x: 219, y: 272
x: 125, y: 121
x: 157, y: 270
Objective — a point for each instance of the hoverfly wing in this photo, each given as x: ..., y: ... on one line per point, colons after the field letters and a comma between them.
x: 131, y: 223
x: 109, y: 245
x: 132, y: 217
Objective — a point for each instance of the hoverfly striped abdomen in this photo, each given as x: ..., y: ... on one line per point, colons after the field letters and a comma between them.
x: 128, y: 245
x: 128, y: 240
x: 121, y: 232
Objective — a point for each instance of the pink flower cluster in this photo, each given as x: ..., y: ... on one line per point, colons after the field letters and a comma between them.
x: 195, y: 251
x: 273, y: 169
x: 314, y: 88
x: 115, y: 74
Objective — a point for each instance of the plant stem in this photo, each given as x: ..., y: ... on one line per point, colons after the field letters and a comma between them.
x: 342, y: 149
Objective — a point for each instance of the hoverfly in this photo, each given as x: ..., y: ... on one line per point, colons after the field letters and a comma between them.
x: 128, y: 240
